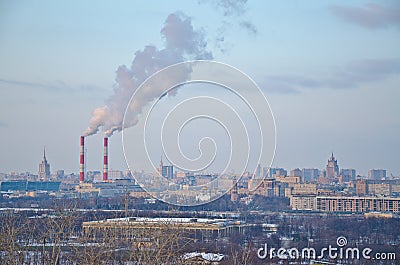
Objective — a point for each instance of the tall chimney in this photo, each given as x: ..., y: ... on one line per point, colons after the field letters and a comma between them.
x: 82, y: 160
x: 105, y: 163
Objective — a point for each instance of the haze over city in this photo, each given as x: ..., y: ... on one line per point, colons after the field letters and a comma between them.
x: 330, y: 71
x: 199, y: 132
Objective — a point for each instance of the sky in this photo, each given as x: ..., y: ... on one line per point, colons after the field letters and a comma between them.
x: 329, y: 69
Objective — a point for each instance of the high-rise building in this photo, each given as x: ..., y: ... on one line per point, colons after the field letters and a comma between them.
x: 332, y: 168
x: 361, y: 187
x: 296, y: 173
x: 310, y: 174
x: 379, y: 189
x: 304, y: 188
x: 348, y: 174
x: 378, y: 174
x: 354, y: 204
x: 266, y: 187
x: 44, y: 168
x: 258, y: 173
x: 167, y: 172
x: 276, y: 172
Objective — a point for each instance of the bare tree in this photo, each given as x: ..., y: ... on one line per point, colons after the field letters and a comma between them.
x: 241, y: 255
x: 13, y: 237
x: 94, y: 249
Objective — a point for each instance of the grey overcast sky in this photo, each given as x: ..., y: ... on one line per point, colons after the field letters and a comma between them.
x: 330, y: 70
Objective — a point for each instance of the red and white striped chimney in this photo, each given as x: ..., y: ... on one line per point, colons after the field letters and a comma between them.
x: 105, y: 163
x: 82, y: 160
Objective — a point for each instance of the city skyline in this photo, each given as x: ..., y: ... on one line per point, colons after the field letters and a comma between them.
x: 330, y: 72
x: 307, y: 173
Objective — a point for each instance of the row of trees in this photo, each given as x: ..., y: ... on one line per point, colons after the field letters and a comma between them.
x: 57, y: 237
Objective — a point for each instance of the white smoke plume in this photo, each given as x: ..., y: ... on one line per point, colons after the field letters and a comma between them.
x: 233, y: 14
x: 233, y: 9
x: 181, y: 42
x: 228, y: 7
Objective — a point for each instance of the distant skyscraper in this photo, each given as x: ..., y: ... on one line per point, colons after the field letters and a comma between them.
x: 377, y: 174
x: 348, y: 174
x: 258, y: 173
x: 167, y: 172
x: 310, y: 174
x: 361, y: 187
x: 44, y: 168
x: 280, y: 172
x: 276, y: 172
x: 332, y: 169
x: 296, y: 173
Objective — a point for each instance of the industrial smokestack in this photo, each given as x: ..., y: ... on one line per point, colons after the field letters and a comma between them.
x: 82, y: 160
x: 105, y: 163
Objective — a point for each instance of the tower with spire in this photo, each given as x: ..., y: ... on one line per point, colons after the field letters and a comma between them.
x: 44, y: 167
x: 332, y: 168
